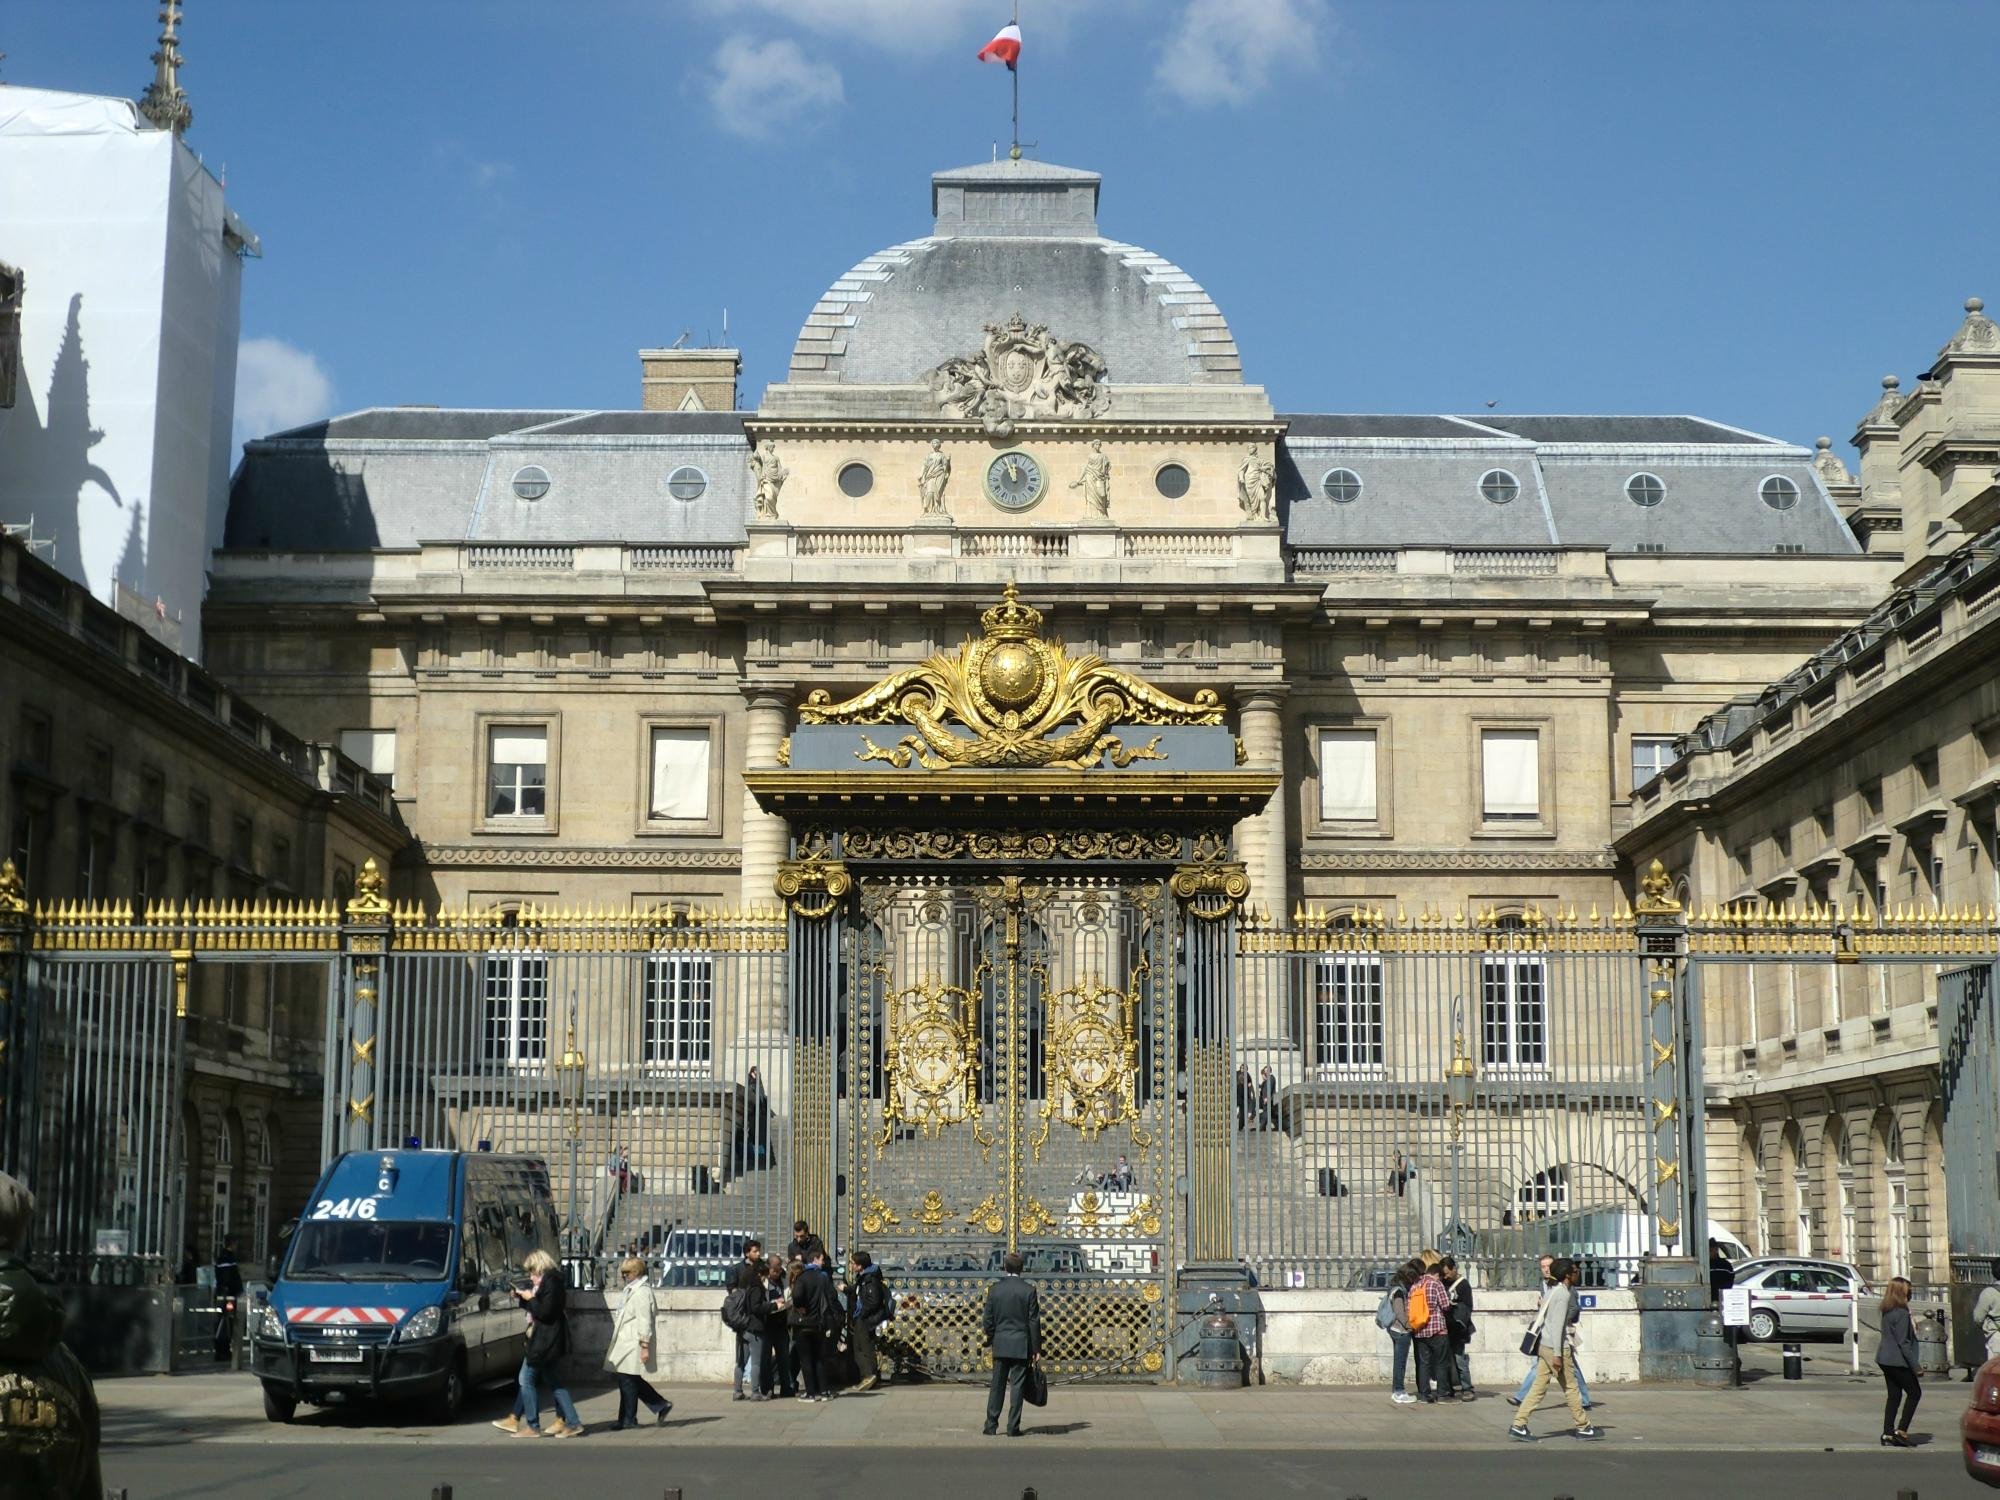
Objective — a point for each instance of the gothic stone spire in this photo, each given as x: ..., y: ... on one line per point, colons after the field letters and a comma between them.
x: 165, y: 102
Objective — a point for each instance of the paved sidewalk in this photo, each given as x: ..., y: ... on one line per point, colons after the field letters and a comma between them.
x: 1826, y: 1413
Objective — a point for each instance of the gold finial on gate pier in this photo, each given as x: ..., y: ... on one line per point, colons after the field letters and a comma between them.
x: 370, y: 901
x: 1656, y: 894
x: 13, y: 896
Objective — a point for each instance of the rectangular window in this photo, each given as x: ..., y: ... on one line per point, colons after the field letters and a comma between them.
x: 516, y: 994
x: 1347, y: 1014
x: 678, y: 1020
x: 374, y: 750
x: 680, y: 774
x: 38, y: 739
x: 201, y: 821
x: 1513, y: 1012
x: 24, y: 845
x: 242, y: 840
x: 1651, y: 754
x: 517, y: 773
x: 218, y: 1227
x: 281, y: 861
x: 153, y: 795
x: 1511, y: 762
x: 1347, y: 775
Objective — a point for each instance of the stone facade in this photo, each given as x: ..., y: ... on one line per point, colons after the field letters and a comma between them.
x: 134, y: 777
x: 1866, y: 780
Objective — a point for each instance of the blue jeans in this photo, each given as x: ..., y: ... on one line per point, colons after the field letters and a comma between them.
x: 527, y: 1404
x: 1575, y: 1374
x: 750, y: 1362
x: 1401, y: 1342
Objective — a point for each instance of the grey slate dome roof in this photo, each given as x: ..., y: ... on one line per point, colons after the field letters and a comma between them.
x: 1014, y: 236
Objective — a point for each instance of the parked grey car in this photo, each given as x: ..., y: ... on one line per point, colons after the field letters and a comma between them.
x: 1799, y: 1295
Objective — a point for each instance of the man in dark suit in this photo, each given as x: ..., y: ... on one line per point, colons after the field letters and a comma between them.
x: 1014, y: 1333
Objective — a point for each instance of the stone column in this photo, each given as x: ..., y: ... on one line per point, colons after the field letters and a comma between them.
x: 1260, y: 843
x: 1260, y: 840
x: 765, y: 836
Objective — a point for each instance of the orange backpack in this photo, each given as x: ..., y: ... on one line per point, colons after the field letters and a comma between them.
x: 1419, y: 1307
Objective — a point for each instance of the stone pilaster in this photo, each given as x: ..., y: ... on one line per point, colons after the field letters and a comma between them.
x: 1261, y: 839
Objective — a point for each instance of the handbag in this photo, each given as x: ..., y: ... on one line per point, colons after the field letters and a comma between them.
x: 1531, y: 1341
x: 1035, y: 1389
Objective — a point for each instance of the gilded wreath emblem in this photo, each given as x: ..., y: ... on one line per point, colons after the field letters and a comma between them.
x: 1010, y: 697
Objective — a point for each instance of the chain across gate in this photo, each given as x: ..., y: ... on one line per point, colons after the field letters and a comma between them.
x: 1010, y: 1055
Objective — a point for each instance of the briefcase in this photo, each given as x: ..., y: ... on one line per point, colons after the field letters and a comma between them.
x: 1035, y: 1390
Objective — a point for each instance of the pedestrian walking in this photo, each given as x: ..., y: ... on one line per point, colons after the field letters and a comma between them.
x: 1393, y: 1316
x: 228, y: 1291
x: 1427, y: 1304
x: 779, y: 1377
x: 49, y: 1424
x: 634, y: 1351
x: 1459, y: 1327
x: 547, y: 1302
x: 1986, y: 1313
x: 743, y: 1312
x: 1554, y: 1357
x: 1013, y: 1326
x: 1534, y: 1365
x: 867, y: 1310
x: 815, y: 1319
x: 1896, y: 1356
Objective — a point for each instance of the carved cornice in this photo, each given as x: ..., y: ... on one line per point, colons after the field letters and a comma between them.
x: 573, y: 857
x: 1364, y: 861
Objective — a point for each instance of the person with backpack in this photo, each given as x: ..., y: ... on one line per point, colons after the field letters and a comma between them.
x: 1548, y: 1337
x: 1392, y: 1317
x: 1459, y: 1326
x: 868, y: 1308
x: 778, y: 1377
x: 743, y: 1315
x: 49, y: 1423
x: 1425, y: 1308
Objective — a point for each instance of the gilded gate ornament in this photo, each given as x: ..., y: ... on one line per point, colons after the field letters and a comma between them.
x: 1092, y: 1061
x: 1013, y: 692
x: 930, y: 1061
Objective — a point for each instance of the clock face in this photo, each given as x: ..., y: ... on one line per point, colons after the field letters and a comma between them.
x: 1014, y: 481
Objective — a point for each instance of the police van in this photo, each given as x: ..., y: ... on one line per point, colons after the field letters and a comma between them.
x: 397, y: 1283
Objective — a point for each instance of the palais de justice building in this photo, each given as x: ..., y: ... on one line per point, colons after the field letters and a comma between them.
x: 1462, y: 642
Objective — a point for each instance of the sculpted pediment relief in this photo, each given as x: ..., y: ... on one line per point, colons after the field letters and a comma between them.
x: 1022, y: 372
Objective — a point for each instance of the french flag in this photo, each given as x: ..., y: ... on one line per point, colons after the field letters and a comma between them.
x: 1006, y: 47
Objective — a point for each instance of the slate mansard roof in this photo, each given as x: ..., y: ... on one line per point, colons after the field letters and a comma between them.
x: 396, y: 477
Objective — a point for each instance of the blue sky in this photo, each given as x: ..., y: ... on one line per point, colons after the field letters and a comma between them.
x: 1751, y: 211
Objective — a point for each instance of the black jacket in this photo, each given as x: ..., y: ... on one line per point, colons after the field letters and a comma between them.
x: 1458, y: 1317
x: 228, y: 1276
x: 869, y: 1306
x: 1013, y: 1320
x: 745, y: 1273
x: 548, y: 1332
x: 815, y: 1304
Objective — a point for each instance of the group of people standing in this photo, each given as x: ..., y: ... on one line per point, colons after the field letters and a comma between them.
x: 1428, y: 1309
x: 795, y: 1325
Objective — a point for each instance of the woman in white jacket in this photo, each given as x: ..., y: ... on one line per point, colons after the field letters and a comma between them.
x: 635, y: 1348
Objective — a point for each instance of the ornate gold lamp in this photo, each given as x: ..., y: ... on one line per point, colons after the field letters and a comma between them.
x: 569, y: 1070
x: 1461, y: 1080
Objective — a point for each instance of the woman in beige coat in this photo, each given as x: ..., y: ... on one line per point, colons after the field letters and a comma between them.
x: 634, y: 1351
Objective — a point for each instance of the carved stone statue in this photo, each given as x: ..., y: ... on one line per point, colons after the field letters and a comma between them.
x: 1021, y: 373
x: 1257, y: 486
x: 931, y: 481
x: 1095, y: 480
x: 770, y: 476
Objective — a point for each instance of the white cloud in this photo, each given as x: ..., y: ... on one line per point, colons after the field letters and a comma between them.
x: 900, y: 25
x: 759, y: 88
x: 1225, y: 51
x: 278, y: 386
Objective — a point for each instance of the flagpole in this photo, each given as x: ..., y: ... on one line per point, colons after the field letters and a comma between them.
x: 1014, y: 72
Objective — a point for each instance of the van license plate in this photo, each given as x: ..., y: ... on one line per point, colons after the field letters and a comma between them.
x: 336, y: 1356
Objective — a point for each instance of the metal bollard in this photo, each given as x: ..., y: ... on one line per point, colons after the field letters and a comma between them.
x: 674, y: 1493
x: 1795, y: 1362
x: 440, y: 1492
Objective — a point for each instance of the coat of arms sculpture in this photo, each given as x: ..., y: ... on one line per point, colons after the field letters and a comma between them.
x: 1021, y: 373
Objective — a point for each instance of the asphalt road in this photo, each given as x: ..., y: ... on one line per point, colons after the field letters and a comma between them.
x: 1053, y: 1465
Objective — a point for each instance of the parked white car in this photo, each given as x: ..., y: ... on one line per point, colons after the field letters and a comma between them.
x: 1792, y: 1295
